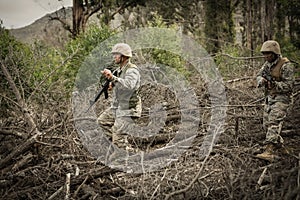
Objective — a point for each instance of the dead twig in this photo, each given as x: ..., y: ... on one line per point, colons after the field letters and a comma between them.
x: 262, y: 176
x: 12, y: 132
x: 239, y: 79
x: 28, y: 116
x: 240, y: 58
x: 80, y: 186
x: 56, y: 193
x: 26, y: 159
x: 67, y: 186
x: 20, y: 149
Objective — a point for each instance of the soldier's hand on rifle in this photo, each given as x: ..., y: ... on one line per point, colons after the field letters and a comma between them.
x: 262, y: 82
x: 270, y: 85
x: 107, y: 73
x: 110, y: 86
x: 265, y: 82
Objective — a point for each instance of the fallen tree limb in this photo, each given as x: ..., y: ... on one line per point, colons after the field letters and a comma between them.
x: 61, y: 184
x: 56, y: 193
x: 79, y: 187
x: 19, y: 98
x: 239, y: 79
x: 28, y: 117
x: 241, y: 58
x: 25, y: 160
x: 19, y: 150
x: 12, y: 132
x: 67, y: 186
x: 196, y: 178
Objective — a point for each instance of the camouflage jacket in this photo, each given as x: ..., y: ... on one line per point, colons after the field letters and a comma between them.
x: 125, y: 94
x: 281, y: 89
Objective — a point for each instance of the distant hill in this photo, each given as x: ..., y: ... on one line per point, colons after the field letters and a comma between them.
x: 50, y: 32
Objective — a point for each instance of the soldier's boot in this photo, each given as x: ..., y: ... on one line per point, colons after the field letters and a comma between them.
x: 121, y: 152
x: 269, y: 153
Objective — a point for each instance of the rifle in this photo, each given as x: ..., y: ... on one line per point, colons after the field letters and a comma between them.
x: 266, y: 74
x: 104, y: 90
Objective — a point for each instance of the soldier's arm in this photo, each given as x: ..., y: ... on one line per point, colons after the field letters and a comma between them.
x: 130, y: 80
x: 259, y: 78
x: 287, y: 79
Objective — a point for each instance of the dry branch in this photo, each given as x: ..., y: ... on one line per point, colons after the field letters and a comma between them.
x: 67, y: 186
x: 241, y: 58
x: 56, y: 193
x: 12, y: 132
x: 239, y: 79
x: 262, y: 176
x: 196, y: 178
x: 19, y: 150
x: 28, y: 117
x: 26, y: 159
x: 80, y: 186
x: 19, y: 98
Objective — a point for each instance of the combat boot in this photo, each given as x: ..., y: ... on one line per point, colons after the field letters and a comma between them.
x: 268, y: 154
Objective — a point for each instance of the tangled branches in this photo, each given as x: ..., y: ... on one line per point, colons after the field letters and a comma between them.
x: 42, y: 156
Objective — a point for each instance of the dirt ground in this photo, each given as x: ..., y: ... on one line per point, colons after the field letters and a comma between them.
x: 56, y: 165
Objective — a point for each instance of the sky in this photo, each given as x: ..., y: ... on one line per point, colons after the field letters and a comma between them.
x: 20, y: 13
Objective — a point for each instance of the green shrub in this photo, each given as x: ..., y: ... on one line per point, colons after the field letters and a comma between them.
x: 160, y: 55
x: 84, y: 49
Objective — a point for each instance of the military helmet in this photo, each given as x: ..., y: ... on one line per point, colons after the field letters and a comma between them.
x: 270, y: 46
x: 123, y: 49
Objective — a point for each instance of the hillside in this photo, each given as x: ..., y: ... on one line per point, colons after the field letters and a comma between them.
x: 49, y: 32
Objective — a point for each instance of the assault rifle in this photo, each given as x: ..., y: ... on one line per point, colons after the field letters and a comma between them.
x: 266, y: 74
x: 104, y: 90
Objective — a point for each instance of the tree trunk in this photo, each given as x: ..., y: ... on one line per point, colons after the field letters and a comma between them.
x: 263, y: 20
x: 270, y: 17
x: 249, y: 12
x: 77, y: 16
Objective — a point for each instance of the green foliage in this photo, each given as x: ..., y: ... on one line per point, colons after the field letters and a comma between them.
x: 14, y: 55
x: 229, y: 64
x: 171, y: 57
x: 85, y: 56
x: 289, y: 50
x: 290, y: 10
x: 45, y: 66
x: 9, y: 44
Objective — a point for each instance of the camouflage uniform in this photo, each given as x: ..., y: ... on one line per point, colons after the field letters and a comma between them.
x: 126, y: 103
x: 277, y: 100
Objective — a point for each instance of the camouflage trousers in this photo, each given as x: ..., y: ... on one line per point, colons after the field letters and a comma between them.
x: 118, y: 126
x: 273, y: 117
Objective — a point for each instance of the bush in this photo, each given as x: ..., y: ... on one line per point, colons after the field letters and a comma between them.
x: 16, y: 57
x: 85, y: 58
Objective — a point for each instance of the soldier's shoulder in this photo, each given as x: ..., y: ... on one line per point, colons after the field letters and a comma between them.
x: 131, y: 65
x: 288, y: 65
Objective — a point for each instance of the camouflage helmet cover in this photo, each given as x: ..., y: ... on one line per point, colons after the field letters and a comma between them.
x: 271, y: 46
x: 123, y: 49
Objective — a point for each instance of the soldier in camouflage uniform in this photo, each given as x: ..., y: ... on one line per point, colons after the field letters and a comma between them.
x: 278, y: 91
x: 126, y: 103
